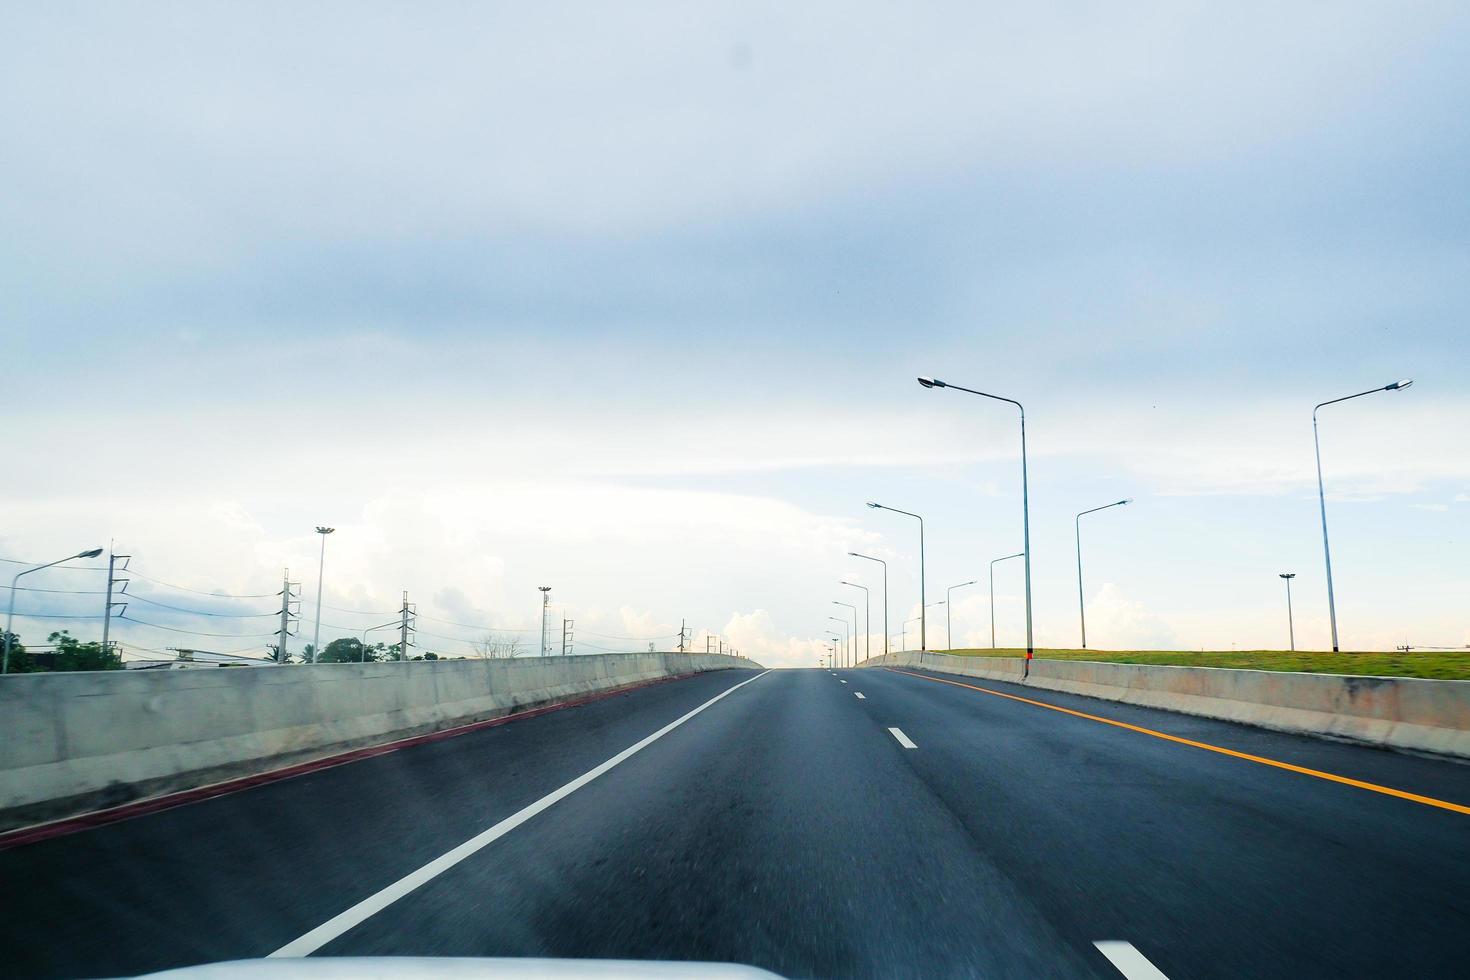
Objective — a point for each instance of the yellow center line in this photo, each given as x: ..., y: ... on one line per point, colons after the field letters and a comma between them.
x: 1330, y: 777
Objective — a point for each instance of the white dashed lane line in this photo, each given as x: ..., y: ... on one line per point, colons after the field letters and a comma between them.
x: 860, y: 695
x: 1129, y: 961
x: 902, y: 738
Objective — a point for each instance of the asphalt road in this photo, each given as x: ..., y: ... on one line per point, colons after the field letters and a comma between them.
x: 787, y: 826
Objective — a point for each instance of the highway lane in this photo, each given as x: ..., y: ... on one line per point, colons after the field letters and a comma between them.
x: 1210, y: 864
x: 787, y: 827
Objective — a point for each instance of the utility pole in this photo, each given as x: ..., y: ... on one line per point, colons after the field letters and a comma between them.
x: 706, y: 644
x: 405, y: 626
x: 287, y: 597
x: 681, y: 635
x: 111, y: 580
x: 546, y: 598
x: 1290, y: 625
x: 566, y: 636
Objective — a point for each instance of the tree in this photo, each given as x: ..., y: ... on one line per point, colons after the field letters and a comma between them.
x: 495, y: 647
x: 20, y: 661
x: 73, y: 654
x: 345, y: 650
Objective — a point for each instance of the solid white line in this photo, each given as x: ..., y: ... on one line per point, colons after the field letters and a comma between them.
x: 340, y: 923
x: 860, y: 695
x: 1129, y: 961
x: 902, y: 738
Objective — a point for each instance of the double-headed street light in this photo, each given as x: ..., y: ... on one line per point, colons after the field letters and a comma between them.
x: 923, y: 637
x: 1322, y: 496
x: 1025, y: 504
x: 867, y: 621
x: 10, y: 615
x: 1077, y: 525
x: 949, y: 611
x: 992, y: 592
x: 880, y: 561
x: 1290, y: 626
x: 843, y: 620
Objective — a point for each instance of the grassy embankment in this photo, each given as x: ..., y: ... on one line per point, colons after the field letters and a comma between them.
x: 1442, y: 664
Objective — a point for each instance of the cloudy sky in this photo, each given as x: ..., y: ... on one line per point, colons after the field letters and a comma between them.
x: 628, y: 300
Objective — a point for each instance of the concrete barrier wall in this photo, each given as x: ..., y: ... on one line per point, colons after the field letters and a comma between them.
x: 74, y: 741
x: 1397, y: 712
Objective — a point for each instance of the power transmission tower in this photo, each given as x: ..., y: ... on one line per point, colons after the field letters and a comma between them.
x: 566, y: 636
x: 112, y: 579
x: 406, y: 617
x: 289, y: 616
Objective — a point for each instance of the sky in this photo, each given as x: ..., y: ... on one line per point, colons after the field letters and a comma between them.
x: 629, y: 300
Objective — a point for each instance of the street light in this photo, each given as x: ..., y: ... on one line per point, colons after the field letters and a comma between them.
x: 316, y: 638
x: 867, y: 621
x: 880, y: 561
x: 923, y: 637
x: 1290, y: 626
x: 362, y: 653
x: 1025, y: 505
x: 1322, y: 496
x: 992, y: 592
x: 852, y: 649
x: 1077, y: 525
x: 949, y: 610
x: 545, y: 591
x: 904, y: 640
x: 843, y: 621
x: 10, y: 615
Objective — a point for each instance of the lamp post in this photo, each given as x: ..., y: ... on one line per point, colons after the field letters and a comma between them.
x: 923, y: 636
x: 1077, y: 526
x: 880, y: 561
x: 905, y: 635
x: 10, y: 614
x: 836, y: 639
x: 1025, y: 504
x: 316, y: 637
x: 852, y: 648
x: 992, y: 592
x: 545, y: 591
x: 949, y: 610
x: 843, y: 621
x: 362, y: 654
x: 1322, y: 496
x: 1290, y: 626
x: 867, y: 621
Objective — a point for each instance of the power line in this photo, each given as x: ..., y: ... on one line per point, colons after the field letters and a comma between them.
x: 191, y: 632
x: 200, y: 612
x: 25, y: 588
x: 214, y: 595
x: 22, y: 615
x: 57, y: 568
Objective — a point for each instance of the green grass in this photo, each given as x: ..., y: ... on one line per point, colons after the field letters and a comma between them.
x: 1442, y: 664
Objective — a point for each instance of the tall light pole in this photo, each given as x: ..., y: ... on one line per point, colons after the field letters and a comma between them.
x: 1077, y: 526
x: 949, y: 610
x: 838, y: 637
x: 1322, y: 496
x: 545, y: 598
x: 846, y: 635
x: 10, y: 615
x: 992, y: 592
x: 316, y: 637
x: 1025, y: 504
x: 867, y: 621
x: 1290, y: 626
x: 904, y: 639
x: 362, y: 653
x: 923, y: 637
x: 880, y: 561
x: 852, y: 650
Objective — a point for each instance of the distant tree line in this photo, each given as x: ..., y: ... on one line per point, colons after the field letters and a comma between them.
x: 66, y: 653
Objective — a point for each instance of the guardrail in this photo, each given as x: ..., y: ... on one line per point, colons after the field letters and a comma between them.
x: 77, y: 741
x: 1412, y: 713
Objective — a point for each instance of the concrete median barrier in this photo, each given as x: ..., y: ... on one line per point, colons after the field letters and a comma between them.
x: 1396, y: 712
x: 77, y: 741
